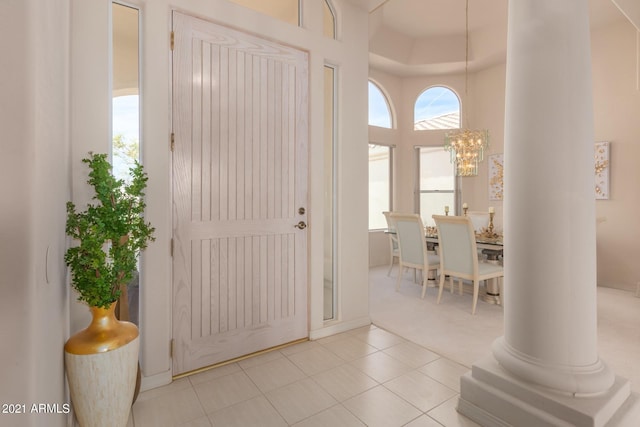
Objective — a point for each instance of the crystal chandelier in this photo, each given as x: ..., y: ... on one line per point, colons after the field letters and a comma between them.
x: 466, y: 146
x: 467, y: 149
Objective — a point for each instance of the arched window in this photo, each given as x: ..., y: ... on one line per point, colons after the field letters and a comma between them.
x: 329, y: 20
x: 437, y: 108
x: 379, y: 111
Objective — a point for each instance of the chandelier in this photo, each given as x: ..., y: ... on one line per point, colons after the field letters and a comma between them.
x: 467, y: 149
x: 466, y: 146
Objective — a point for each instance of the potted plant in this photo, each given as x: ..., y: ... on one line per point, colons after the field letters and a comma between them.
x: 101, y: 360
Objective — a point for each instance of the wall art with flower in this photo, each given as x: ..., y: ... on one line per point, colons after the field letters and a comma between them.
x: 602, y: 167
x: 496, y: 177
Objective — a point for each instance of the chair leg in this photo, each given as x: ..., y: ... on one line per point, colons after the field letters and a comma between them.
x: 441, y: 287
x: 476, y: 287
x: 460, y: 286
x: 399, y: 276
x: 390, y: 266
x: 451, y: 284
x: 425, y: 274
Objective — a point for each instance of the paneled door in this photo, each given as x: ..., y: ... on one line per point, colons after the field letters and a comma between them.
x: 240, y: 124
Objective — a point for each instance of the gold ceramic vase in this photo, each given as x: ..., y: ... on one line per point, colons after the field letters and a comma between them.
x: 102, y: 363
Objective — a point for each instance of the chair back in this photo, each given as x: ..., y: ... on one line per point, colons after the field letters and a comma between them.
x: 479, y: 220
x: 411, y: 238
x: 456, y: 245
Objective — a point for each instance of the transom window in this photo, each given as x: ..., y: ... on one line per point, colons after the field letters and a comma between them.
x: 328, y: 20
x: 437, y: 108
x: 285, y: 10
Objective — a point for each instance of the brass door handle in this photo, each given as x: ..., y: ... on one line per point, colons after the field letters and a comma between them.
x: 301, y: 225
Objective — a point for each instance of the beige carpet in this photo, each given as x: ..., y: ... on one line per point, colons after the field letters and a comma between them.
x: 450, y: 330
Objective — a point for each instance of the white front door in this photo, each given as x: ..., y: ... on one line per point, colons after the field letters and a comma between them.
x: 240, y: 114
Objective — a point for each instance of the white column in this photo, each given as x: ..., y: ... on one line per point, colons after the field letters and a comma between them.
x: 550, y: 309
x: 548, y: 369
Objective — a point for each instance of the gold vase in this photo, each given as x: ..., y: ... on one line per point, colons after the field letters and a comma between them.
x: 105, y: 333
x: 101, y: 363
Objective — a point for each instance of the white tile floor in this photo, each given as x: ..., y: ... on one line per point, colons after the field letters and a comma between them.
x: 370, y: 376
x: 450, y: 329
x: 364, y: 377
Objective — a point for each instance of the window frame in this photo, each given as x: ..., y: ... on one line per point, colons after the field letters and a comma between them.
x: 334, y: 193
x: 135, y: 311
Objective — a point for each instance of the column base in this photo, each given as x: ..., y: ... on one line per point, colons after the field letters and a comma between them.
x: 490, y: 395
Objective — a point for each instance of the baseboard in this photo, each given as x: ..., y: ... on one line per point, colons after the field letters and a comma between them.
x: 154, y: 381
x: 336, y: 328
x: 627, y: 287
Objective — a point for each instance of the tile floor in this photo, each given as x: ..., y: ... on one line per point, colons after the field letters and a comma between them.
x: 450, y: 329
x: 364, y: 377
x: 370, y: 376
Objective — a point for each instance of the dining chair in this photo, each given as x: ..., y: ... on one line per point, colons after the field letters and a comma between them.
x: 393, y: 243
x: 480, y: 220
x: 458, y: 254
x: 413, y: 247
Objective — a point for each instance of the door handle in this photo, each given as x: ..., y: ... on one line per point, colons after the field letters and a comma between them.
x: 301, y: 225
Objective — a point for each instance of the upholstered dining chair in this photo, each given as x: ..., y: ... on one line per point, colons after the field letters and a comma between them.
x: 458, y: 254
x: 393, y: 243
x: 413, y: 247
x: 479, y: 220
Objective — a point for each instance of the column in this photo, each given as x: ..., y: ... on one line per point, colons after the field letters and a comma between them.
x: 545, y: 370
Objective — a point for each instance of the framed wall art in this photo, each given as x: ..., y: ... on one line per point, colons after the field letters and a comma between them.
x: 496, y: 176
x: 602, y: 167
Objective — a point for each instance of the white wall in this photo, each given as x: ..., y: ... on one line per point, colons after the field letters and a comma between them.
x: 34, y: 168
x: 90, y: 120
x: 18, y: 287
x: 616, y: 119
x: 488, y: 90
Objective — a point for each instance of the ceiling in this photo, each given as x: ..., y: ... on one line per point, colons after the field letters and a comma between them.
x: 427, y: 37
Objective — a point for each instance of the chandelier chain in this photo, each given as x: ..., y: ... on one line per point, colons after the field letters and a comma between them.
x: 466, y: 146
x: 466, y: 63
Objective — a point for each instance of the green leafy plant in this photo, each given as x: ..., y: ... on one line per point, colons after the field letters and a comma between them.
x: 111, y: 233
